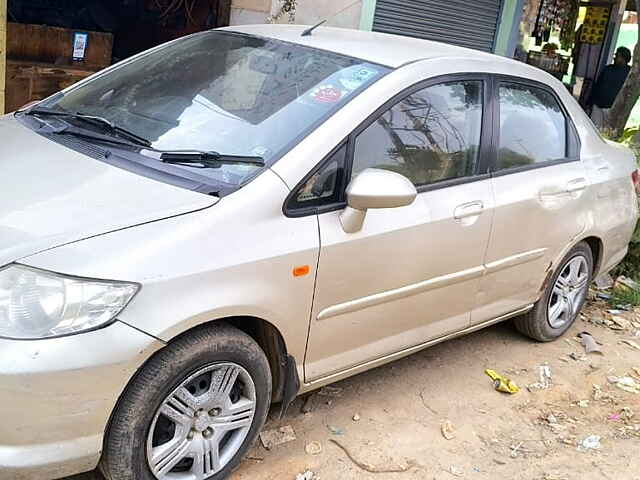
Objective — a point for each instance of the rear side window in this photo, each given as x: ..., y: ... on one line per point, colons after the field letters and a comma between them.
x: 533, y: 127
x: 432, y: 135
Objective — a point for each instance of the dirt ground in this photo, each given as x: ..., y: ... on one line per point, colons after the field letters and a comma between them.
x: 532, y: 435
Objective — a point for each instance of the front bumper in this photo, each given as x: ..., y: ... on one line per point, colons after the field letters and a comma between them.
x: 56, y: 396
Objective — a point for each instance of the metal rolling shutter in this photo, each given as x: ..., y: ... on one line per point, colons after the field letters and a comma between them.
x: 472, y: 24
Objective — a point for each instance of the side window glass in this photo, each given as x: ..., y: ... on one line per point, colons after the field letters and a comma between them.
x: 430, y: 136
x: 324, y: 187
x: 533, y: 128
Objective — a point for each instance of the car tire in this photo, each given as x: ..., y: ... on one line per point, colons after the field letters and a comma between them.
x: 541, y: 323
x: 237, y: 372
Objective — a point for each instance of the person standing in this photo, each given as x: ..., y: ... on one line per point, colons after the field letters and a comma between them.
x: 608, y: 86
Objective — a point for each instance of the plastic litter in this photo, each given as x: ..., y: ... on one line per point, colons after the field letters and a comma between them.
x: 335, y: 430
x: 589, y: 343
x: 307, y: 475
x: 502, y: 384
x: 545, y: 379
x: 628, y: 384
x: 604, y: 281
x: 626, y: 414
x: 625, y: 283
x: 592, y: 442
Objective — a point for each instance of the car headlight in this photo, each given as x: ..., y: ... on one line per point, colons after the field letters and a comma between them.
x: 37, y: 304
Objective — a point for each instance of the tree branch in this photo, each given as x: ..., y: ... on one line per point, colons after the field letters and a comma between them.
x: 629, y: 94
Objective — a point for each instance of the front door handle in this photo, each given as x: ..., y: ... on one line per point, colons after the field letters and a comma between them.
x: 472, y: 209
x: 576, y: 185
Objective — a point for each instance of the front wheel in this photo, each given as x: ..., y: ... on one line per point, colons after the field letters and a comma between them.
x: 563, y: 298
x: 192, y: 411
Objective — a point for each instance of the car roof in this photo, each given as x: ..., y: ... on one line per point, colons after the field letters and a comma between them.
x: 381, y: 48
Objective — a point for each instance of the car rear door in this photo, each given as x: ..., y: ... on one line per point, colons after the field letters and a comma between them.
x: 539, y: 185
x: 411, y: 274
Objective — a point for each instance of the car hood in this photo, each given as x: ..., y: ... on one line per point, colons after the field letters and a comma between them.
x: 51, y: 195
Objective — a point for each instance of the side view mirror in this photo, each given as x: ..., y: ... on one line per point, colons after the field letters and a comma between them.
x: 375, y: 188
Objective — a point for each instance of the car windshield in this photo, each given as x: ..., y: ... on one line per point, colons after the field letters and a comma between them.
x: 224, y: 92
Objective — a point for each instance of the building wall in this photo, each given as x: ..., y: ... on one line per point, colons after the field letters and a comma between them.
x: 338, y: 13
x: 358, y: 14
x: 249, y: 11
x: 308, y: 12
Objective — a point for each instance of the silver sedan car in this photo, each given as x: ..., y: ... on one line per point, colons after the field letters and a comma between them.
x: 244, y: 215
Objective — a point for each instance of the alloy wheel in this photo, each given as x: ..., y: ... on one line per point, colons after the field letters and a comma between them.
x: 568, y: 292
x: 202, y: 424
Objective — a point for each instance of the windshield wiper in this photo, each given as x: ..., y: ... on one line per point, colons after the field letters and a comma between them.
x: 93, y: 119
x: 208, y: 159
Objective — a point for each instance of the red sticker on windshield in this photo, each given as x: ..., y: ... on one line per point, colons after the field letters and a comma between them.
x: 326, y: 94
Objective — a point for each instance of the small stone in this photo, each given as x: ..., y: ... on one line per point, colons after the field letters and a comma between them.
x: 278, y: 436
x: 620, y: 323
x: 313, y: 448
x: 447, y: 430
x: 356, y: 418
x: 455, y: 471
x: 551, y: 418
x: 307, y: 406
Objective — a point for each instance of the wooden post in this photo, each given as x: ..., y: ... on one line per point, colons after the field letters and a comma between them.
x: 3, y: 52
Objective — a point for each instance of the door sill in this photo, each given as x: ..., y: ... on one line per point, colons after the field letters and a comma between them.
x: 334, y: 377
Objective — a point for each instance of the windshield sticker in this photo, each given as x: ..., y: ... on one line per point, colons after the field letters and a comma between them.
x: 354, y: 78
x: 327, y: 94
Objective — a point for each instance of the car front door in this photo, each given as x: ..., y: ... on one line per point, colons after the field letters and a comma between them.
x: 540, y: 189
x: 410, y: 274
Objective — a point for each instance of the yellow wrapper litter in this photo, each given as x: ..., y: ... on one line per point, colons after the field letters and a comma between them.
x: 501, y: 383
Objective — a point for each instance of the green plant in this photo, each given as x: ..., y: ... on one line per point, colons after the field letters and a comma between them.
x: 625, y: 296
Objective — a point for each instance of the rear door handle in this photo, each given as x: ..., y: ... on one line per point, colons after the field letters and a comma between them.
x: 576, y: 185
x: 466, y: 210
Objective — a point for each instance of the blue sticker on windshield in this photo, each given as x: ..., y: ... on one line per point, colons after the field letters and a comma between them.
x: 356, y: 76
x: 339, y: 86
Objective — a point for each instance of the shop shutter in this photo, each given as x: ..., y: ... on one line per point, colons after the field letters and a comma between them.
x: 471, y: 24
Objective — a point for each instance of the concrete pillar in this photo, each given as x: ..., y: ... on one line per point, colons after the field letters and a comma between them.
x: 507, y: 35
x: 368, y: 12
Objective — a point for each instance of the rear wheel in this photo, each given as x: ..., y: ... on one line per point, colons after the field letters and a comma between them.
x: 192, y: 411
x: 563, y: 298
